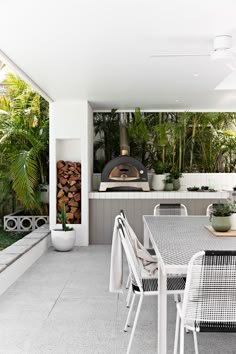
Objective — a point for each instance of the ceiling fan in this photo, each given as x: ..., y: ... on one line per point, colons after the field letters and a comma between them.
x: 222, y: 50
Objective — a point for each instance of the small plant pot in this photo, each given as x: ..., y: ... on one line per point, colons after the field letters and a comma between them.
x: 176, y: 184
x: 158, y: 183
x: 44, y: 194
x: 63, y: 240
x: 233, y: 221
x: 169, y: 187
x: 221, y: 223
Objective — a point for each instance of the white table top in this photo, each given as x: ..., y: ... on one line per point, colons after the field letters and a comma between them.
x: 177, y: 238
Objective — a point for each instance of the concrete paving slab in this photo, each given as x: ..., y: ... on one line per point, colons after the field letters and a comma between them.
x: 61, y: 305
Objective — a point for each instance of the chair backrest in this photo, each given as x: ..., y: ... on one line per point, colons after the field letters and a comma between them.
x: 170, y: 209
x: 209, y: 209
x: 132, y: 260
x: 210, y: 294
x: 129, y: 231
x: 122, y: 214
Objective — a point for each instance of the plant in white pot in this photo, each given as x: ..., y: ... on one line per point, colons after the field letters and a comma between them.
x: 63, y: 239
x: 169, y: 186
x: 158, y: 178
x: 176, y: 174
x: 221, y: 216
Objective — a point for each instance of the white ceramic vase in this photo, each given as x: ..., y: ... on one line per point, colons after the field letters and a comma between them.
x: 233, y: 221
x: 63, y: 240
x: 158, y: 182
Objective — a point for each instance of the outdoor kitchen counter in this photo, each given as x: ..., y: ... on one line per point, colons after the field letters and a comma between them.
x: 159, y: 195
x: 104, y: 206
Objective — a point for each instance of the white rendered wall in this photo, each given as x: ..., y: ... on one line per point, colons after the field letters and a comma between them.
x: 218, y: 181
x: 68, y: 149
x: 70, y: 125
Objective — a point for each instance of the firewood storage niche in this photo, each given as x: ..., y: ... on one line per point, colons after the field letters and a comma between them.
x: 68, y: 157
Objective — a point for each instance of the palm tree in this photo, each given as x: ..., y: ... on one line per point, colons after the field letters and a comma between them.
x: 24, y: 139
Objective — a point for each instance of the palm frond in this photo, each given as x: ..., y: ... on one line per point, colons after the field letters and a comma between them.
x: 24, y: 171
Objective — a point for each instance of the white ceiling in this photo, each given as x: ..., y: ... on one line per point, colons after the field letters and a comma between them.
x: 100, y: 50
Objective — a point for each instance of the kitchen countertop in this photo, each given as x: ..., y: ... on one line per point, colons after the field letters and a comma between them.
x: 160, y: 195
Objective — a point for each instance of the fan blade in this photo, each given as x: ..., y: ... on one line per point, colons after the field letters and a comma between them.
x: 178, y: 55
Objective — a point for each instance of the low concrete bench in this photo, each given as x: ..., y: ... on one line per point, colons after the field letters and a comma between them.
x: 17, y: 258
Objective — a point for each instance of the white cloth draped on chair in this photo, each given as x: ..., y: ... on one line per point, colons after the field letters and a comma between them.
x: 147, y: 264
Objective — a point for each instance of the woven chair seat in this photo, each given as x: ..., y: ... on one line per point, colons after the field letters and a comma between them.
x: 173, y: 284
x: 225, y: 327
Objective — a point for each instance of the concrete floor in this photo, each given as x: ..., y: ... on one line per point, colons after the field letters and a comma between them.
x: 61, y: 305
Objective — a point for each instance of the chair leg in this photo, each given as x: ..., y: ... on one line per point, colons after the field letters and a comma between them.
x: 135, y: 323
x: 176, y: 298
x: 195, y: 342
x: 129, y: 314
x: 181, y: 338
x: 182, y: 299
x: 128, y: 298
x: 128, y: 281
x: 176, y: 333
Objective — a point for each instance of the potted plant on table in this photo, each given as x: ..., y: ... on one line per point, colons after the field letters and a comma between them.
x: 63, y: 239
x: 176, y: 174
x: 221, y: 217
x: 158, y: 178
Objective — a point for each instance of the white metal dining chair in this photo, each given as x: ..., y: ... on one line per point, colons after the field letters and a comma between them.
x: 142, y: 286
x: 151, y: 251
x: 170, y: 209
x: 128, y: 282
x: 209, y: 303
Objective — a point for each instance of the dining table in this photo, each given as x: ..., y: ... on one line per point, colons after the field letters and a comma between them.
x: 175, y: 240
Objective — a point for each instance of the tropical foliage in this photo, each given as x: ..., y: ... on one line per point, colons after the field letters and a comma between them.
x: 107, y: 135
x: 24, y: 141
x: 182, y: 141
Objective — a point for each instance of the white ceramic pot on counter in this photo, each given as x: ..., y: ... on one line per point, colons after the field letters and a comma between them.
x: 158, y: 182
x: 233, y: 221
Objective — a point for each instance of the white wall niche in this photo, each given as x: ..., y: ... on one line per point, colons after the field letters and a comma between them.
x: 71, y: 125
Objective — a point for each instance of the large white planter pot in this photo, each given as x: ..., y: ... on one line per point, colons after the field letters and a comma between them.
x: 233, y: 221
x: 158, y: 182
x: 63, y: 240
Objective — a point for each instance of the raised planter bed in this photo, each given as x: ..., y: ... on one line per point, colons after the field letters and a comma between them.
x: 19, y: 222
x: 17, y: 258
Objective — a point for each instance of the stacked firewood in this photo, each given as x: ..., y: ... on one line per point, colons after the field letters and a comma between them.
x: 69, y: 190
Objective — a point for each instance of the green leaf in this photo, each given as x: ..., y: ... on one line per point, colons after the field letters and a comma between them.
x: 24, y: 171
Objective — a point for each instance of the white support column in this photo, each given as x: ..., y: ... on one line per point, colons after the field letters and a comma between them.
x: 71, y: 127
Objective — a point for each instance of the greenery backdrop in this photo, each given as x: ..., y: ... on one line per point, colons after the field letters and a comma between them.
x: 182, y: 141
x: 24, y: 146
